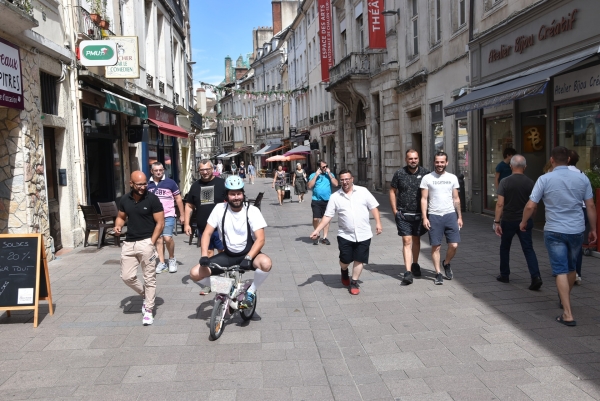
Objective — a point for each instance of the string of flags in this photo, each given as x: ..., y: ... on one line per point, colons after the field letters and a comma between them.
x: 237, y: 121
x: 255, y: 95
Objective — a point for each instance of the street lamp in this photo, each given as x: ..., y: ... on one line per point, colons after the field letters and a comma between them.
x: 391, y: 12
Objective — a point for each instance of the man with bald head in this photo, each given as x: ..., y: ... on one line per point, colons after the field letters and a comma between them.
x: 513, y: 194
x: 145, y: 222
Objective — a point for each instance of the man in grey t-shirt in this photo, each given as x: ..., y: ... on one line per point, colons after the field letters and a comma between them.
x: 513, y: 194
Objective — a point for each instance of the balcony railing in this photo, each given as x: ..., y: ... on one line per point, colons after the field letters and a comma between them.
x: 367, y: 64
x: 87, y: 26
x: 24, y: 5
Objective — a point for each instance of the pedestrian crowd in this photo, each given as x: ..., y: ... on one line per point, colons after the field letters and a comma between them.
x: 231, y: 231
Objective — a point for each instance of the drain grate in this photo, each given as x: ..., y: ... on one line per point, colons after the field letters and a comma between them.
x: 112, y: 262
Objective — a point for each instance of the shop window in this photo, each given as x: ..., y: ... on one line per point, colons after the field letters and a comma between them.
x: 498, y: 136
x: 578, y: 128
x: 463, y: 153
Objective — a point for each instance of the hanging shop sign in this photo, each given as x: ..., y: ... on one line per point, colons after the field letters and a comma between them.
x: 577, y: 83
x: 98, y: 53
x: 325, y: 38
x: 123, y: 105
x: 128, y: 60
x: 376, y: 24
x: 11, y: 78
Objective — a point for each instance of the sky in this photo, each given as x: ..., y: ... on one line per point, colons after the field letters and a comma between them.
x: 223, y: 28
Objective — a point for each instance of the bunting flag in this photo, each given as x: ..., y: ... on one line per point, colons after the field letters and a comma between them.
x: 254, y: 95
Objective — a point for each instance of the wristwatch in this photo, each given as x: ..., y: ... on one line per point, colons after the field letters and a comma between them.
x: 248, y: 257
x: 497, y: 222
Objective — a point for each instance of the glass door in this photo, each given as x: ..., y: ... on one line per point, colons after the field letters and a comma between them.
x: 498, y: 136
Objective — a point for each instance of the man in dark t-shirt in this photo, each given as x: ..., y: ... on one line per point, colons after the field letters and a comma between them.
x: 503, y: 169
x: 146, y: 220
x: 513, y: 194
x: 405, y: 199
x: 204, y: 194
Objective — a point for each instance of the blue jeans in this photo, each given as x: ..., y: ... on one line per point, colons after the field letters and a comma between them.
x: 585, y: 235
x: 509, y: 229
x: 563, y: 251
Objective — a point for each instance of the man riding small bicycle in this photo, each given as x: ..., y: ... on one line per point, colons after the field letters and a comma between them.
x: 241, y: 229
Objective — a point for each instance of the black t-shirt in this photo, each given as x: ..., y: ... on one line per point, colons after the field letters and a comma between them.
x: 516, y: 189
x: 140, y: 215
x: 408, y: 196
x: 204, y: 196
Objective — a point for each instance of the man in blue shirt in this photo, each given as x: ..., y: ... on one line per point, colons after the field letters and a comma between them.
x: 563, y: 191
x: 320, y: 182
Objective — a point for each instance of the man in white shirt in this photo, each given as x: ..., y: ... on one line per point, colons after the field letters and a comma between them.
x: 352, y: 203
x: 242, y: 232
x: 440, y: 207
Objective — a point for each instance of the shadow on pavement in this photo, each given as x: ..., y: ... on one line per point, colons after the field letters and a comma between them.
x: 133, y: 304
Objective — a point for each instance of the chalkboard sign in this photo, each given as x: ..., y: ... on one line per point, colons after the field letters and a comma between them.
x: 24, y: 279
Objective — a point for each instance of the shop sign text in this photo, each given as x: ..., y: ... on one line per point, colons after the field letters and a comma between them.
x: 577, y: 83
x: 11, y: 78
x: 525, y: 41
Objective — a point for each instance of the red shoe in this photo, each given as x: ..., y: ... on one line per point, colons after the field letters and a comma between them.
x: 346, y: 281
x: 354, y: 288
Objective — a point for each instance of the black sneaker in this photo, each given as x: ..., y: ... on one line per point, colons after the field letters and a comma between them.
x: 416, y: 269
x: 325, y: 241
x: 316, y: 242
x: 408, y: 278
x: 502, y: 279
x: 447, y: 270
x: 536, y: 283
x: 439, y: 279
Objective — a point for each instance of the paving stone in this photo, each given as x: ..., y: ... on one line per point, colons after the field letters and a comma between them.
x: 397, y: 361
x: 551, y: 374
x: 554, y: 391
x: 152, y: 374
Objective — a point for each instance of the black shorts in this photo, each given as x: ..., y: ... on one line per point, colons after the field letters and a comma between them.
x: 353, y: 251
x: 224, y: 260
x: 409, y: 228
x: 318, y: 208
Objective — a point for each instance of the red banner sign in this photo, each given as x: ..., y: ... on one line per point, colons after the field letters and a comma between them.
x: 376, y: 24
x: 325, y: 38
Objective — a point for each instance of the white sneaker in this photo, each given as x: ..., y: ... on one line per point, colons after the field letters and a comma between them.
x: 161, y: 267
x: 172, y: 265
x: 578, y: 280
x: 147, y: 319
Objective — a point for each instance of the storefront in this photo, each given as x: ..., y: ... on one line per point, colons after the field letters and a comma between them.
x: 162, y: 145
x: 533, y: 87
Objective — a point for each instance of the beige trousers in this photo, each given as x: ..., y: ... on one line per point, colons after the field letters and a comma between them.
x: 140, y: 253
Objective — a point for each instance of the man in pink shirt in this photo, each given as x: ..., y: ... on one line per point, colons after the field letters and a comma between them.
x: 168, y: 193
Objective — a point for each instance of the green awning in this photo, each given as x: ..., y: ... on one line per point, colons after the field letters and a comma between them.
x: 123, y: 105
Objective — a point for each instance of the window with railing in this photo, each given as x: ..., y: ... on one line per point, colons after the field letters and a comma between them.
x: 48, y: 85
x: 149, y: 81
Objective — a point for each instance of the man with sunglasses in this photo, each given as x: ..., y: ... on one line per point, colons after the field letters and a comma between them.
x: 146, y: 220
x: 320, y: 182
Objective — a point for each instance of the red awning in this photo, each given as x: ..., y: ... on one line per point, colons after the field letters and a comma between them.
x: 169, y: 129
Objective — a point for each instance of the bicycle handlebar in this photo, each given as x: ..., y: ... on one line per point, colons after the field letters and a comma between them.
x: 236, y: 268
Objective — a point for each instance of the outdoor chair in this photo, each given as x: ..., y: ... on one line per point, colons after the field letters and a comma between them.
x: 94, y: 221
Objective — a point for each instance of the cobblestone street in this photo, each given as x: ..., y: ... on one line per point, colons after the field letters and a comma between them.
x: 471, y: 339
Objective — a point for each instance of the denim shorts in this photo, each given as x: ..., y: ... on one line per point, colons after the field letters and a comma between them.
x: 563, y: 250
x: 215, y: 240
x: 169, y: 227
x: 444, y: 225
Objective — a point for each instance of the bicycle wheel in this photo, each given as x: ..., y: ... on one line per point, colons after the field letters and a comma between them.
x: 247, y: 314
x: 217, y: 320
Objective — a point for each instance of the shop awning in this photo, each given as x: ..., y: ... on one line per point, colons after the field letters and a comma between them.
x: 269, y: 149
x: 506, y: 92
x: 298, y: 149
x: 169, y: 129
x: 123, y: 105
x: 223, y: 156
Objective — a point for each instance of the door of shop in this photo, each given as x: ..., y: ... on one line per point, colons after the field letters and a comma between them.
x: 362, y: 153
x: 52, y: 187
x: 100, y: 181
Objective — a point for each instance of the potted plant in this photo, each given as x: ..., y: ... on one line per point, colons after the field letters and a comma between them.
x: 96, y: 14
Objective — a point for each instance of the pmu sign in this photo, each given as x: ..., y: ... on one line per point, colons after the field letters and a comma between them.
x: 98, y: 53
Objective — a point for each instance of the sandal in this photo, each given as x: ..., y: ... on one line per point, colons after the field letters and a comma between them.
x: 570, y: 323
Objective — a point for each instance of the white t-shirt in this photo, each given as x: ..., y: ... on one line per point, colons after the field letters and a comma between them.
x: 353, y: 213
x: 440, y: 189
x: 220, y: 168
x: 236, y: 233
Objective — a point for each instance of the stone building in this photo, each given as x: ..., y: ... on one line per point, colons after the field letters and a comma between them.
x: 39, y: 182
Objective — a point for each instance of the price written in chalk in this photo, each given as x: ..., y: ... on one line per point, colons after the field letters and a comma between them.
x: 16, y: 256
x: 17, y: 244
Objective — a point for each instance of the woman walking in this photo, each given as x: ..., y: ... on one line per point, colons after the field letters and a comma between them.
x: 299, y: 182
x: 251, y: 172
x: 279, y: 183
x: 242, y: 171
